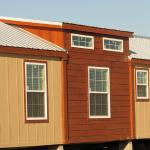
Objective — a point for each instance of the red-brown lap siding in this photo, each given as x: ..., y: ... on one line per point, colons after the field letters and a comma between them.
x: 81, y: 128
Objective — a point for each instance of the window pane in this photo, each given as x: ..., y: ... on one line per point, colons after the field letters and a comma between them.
x: 98, y: 104
x: 101, y: 74
x: 82, y: 44
x: 76, y: 43
x: 92, y: 85
x: 92, y: 74
x: 98, y: 80
x: 35, y: 71
x: 82, y: 41
x: 75, y: 38
x: 29, y: 71
x: 35, y: 77
x: 142, y: 77
x: 35, y: 104
x: 88, y: 40
x: 41, y: 71
x: 29, y: 83
x: 112, y: 44
x: 101, y: 86
x: 141, y: 90
x: 35, y: 84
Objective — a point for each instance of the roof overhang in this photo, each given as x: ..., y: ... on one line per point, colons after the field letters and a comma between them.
x: 32, y: 52
x: 91, y: 29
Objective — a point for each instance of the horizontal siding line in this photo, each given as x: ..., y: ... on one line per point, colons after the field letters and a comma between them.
x: 102, y: 130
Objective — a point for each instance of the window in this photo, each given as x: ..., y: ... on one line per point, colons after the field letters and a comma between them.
x: 142, y: 84
x: 113, y: 44
x: 82, y: 41
x: 99, y: 92
x: 36, y: 91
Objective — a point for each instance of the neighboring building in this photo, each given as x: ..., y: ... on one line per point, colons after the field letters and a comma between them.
x: 140, y: 67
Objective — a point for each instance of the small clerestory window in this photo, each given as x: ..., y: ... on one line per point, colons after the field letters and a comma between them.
x: 82, y: 41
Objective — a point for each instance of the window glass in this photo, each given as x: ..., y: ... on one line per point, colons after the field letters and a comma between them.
x: 82, y: 41
x: 113, y: 44
x: 99, y: 92
x: 142, y: 83
x: 36, y: 98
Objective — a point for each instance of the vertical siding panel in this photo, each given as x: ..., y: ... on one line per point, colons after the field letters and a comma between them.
x: 13, y: 100
x: 32, y: 132
x: 50, y: 129
x: 140, y: 119
x: 23, y: 128
x: 41, y: 134
x: 4, y: 107
x: 57, y: 106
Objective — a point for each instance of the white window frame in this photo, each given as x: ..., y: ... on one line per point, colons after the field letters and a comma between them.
x: 89, y: 92
x: 147, y: 84
x: 80, y: 35
x: 112, y: 39
x: 45, y: 91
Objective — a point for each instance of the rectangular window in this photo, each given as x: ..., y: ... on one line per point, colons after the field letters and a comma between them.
x: 142, y: 84
x: 99, y: 92
x: 36, y: 91
x: 113, y: 44
x: 82, y: 41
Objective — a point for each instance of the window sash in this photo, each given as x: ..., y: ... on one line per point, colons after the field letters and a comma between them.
x: 88, y: 41
x: 142, y: 84
x: 44, y: 91
x: 99, y: 92
x: 99, y: 104
x: 112, y: 42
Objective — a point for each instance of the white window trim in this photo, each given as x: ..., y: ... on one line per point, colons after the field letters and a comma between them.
x: 45, y: 95
x: 147, y: 84
x: 80, y: 35
x: 113, y: 39
x: 109, y: 109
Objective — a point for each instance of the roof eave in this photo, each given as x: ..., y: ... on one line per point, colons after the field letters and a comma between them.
x: 32, y: 52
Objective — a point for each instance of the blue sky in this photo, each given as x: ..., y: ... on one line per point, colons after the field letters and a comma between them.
x: 132, y: 15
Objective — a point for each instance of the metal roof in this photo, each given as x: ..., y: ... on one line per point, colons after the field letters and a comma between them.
x: 14, y: 36
x: 139, y: 47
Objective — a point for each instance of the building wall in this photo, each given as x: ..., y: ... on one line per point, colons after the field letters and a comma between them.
x: 142, y: 107
x: 81, y: 128
x: 53, y: 35
x: 14, y: 132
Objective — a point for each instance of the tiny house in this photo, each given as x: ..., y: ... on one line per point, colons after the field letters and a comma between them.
x: 72, y: 86
x: 31, y: 89
x: 99, y: 104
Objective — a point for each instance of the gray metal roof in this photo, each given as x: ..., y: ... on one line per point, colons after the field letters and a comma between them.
x: 14, y: 36
x: 140, y: 47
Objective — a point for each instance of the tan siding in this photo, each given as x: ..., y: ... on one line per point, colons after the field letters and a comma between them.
x: 4, y: 105
x: 142, y: 111
x: 14, y: 132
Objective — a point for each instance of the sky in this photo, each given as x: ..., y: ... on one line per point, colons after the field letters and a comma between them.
x: 130, y: 15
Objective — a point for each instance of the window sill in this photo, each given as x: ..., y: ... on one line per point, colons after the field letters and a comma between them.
x: 37, y: 121
x: 142, y: 99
